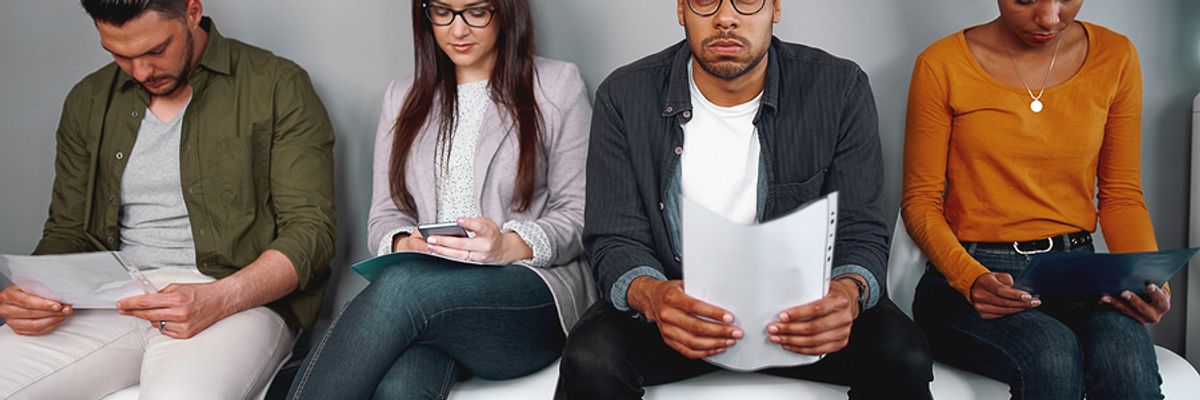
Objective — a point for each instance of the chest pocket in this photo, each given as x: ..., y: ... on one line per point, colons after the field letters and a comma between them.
x: 783, y: 198
x: 242, y: 165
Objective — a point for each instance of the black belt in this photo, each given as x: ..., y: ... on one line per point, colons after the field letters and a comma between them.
x: 1054, y: 243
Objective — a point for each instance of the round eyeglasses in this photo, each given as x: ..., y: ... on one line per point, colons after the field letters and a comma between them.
x: 475, y: 17
x: 706, y: 8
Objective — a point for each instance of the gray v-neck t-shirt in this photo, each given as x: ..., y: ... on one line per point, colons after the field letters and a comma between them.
x: 154, y: 227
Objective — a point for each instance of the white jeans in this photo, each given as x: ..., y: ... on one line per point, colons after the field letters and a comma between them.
x: 98, y: 352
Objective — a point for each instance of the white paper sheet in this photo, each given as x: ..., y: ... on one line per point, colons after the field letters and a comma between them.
x: 757, y: 271
x: 85, y: 280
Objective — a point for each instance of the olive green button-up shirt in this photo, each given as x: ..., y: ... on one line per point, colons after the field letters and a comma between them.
x: 256, y: 167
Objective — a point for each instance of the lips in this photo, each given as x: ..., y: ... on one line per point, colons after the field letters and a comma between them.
x: 462, y: 47
x: 725, y: 46
x: 1043, y: 37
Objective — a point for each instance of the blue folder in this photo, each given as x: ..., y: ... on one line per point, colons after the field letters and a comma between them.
x: 1093, y: 274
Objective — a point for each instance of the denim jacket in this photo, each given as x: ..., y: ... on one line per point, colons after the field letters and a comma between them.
x: 818, y: 133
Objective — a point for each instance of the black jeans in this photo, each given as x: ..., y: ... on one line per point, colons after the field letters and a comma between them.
x: 611, y: 356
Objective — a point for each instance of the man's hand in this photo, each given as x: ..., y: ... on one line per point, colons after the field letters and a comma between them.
x: 686, y: 324
x: 820, y: 327
x: 187, y: 309
x: 1135, y: 307
x: 994, y: 297
x: 30, y: 315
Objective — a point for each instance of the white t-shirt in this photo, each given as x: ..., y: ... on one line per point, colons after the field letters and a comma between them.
x: 720, y: 157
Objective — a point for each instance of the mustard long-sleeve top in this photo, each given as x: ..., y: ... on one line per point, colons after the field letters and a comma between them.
x: 980, y: 166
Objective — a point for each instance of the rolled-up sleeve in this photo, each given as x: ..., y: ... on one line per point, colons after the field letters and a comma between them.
x: 302, y: 178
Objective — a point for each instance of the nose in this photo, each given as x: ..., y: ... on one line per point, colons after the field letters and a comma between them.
x: 726, y: 17
x: 141, y: 69
x: 1046, y: 15
x: 459, y: 27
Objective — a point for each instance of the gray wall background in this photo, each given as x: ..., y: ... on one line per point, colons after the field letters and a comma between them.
x: 353, y: 49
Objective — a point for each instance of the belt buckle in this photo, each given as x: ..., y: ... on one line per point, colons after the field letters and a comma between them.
x: 1049, y: 246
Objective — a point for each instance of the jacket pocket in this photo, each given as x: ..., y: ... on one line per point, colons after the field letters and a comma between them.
x: 783, y: 198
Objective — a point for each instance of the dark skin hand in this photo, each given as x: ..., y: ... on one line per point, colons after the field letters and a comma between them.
x: 678, y: 317
x: 1145, y: 311
x: 993, y: 296
x: 819, y: 327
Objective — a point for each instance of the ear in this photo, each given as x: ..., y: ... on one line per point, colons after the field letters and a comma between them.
x: 193, y: 14
x: 778, y: 11
x: 680, y: 8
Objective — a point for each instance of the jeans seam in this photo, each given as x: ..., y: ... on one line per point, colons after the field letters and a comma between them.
x: 445, y: 390
x: 522, y: 308
x: 56, y: 370
x: 317, y: 354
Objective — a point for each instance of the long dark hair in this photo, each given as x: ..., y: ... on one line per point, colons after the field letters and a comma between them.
x: 512, y: 86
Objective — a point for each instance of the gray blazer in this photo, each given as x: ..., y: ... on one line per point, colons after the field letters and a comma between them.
x: 558, y: 198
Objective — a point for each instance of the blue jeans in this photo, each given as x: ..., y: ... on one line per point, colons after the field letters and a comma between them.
x: 418, y: 327
x: 1060, y: 350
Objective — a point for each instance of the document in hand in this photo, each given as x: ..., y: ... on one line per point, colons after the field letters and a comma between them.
x: 1093, y: 274
x: 83, y: 280
x: 757, y: 271
x: 372, y: 267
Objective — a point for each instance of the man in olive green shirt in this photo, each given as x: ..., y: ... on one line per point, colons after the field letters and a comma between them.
x: 210, y: 162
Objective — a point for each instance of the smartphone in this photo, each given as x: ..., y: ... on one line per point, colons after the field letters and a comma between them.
x: 442, y: 229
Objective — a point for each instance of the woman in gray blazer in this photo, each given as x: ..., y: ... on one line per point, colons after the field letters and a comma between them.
x: 494, y: 139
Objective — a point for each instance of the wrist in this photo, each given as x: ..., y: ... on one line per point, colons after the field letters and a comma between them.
x: 637, y: 296
x: 514, y: 248
x: 854, y: 291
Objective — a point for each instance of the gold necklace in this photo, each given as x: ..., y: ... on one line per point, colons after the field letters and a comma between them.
x: 1036, y: 105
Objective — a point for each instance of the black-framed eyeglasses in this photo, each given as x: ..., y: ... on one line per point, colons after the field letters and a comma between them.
x: 475, y: 17
x: 705, y: 8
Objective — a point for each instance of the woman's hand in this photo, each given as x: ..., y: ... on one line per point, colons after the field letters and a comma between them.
x: 994, y: 297
x: 489, y: 246
x: 411, y: 242
x: 1135, y: 307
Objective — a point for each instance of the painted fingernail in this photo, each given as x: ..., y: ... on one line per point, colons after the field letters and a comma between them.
x: 56, y: 307
x: 729, y: 342
x: 773, y: 329
x: 1106, y: 300
x: 431, y: 249
x: 1036, y: 302
x: 461, y: 221
x: 727, y: 318
x: 1026, y: 297
x: 783, y: 317
x: 737, y: 333
x: 1127, y: 295
x: 774, y: 339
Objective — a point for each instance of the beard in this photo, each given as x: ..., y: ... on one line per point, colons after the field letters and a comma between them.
x: 175, y: 82
x: 727, y: 67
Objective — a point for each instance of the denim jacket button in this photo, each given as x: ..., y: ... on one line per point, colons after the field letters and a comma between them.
x: 687, y: 114
x: 661, y: 206
x: 669, y: 109
x: 678, y: 150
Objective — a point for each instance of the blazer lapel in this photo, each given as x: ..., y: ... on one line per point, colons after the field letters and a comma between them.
x: 422, y: 176
x: 492, y: 133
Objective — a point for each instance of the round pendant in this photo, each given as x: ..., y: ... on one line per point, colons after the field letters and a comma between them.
x: 1036, y: 106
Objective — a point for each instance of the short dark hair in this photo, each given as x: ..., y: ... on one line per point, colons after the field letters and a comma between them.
x: 118, y: 12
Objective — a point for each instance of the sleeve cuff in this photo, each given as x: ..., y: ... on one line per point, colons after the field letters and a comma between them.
x: 872, y: 283
x: 385, y: 244
x: 535, y: 237
x: 621, y: 288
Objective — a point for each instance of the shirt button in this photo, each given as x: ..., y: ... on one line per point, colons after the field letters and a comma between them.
x: 120, y: 155
x: 133, y: 114
x: 108, y: 239
x: 678, y: 150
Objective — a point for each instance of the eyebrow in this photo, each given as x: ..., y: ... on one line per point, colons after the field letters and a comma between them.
x: 160, y: 47
x: 469, y: 5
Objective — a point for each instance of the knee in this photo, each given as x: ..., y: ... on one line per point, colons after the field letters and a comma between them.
x: 586, y: 355
x: 1057, y: 364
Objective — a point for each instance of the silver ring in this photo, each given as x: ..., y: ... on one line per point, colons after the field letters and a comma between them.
x: 162, y: 325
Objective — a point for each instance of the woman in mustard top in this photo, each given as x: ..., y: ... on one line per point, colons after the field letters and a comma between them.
x: 1015, y: 129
